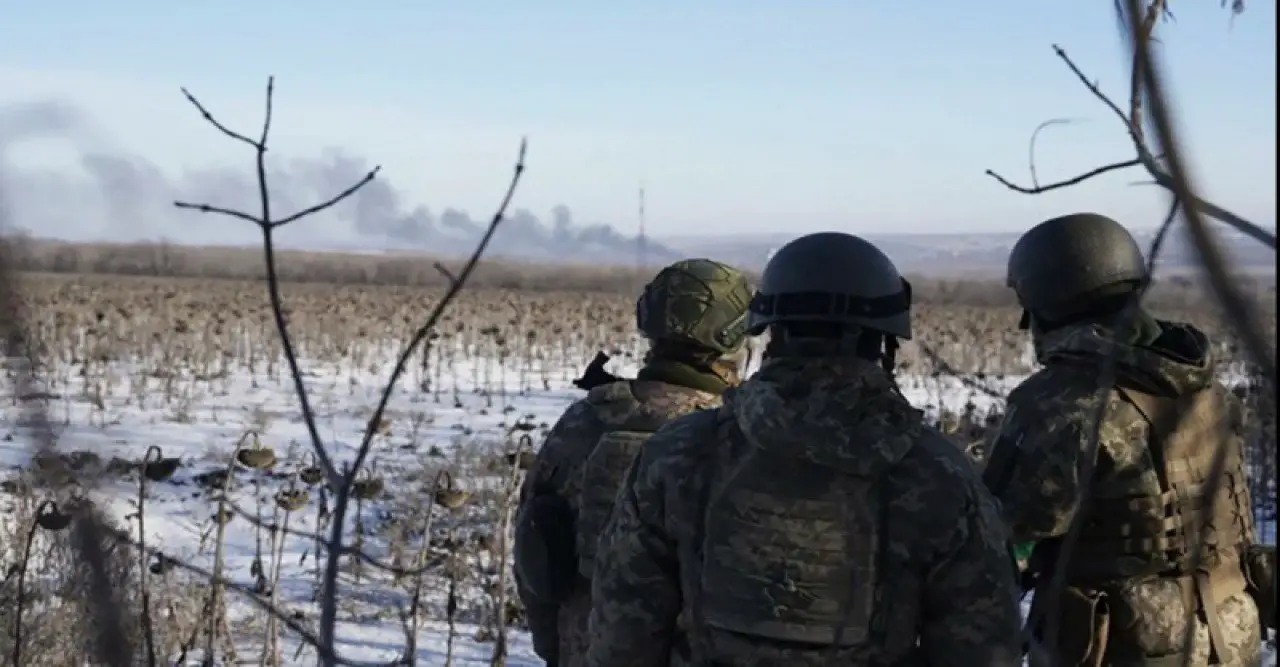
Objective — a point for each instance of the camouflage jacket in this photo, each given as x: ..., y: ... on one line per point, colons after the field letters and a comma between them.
x: 557, y: 472
x: 942, y: 589
x: 1037, y: 457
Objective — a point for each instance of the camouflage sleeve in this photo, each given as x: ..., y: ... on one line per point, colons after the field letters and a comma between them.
x: 561, y: 454
x: 552, y: 472
x: 972, y: 615
x: 1034, y: 469
x: 635, y: 590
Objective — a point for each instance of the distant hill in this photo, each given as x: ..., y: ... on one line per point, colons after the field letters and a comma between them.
x: 944, y: 255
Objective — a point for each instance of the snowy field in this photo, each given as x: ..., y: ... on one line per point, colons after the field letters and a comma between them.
x: 466, y: 421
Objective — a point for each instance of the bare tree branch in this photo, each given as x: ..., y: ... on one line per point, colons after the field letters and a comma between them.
x: 1065, y: 183
x: 343, y: 480
x: 1144, y: 157
x: 1147, y: 86
x: 267, y: 225
x: 330, y: 580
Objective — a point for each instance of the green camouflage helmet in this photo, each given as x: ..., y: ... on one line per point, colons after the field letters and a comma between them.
x: 696, y: 301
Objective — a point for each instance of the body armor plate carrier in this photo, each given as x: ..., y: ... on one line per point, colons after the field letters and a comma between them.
x: 602, y: 474
x: 626, y: 431
x: 1160, y: 533
x: 790, y: 551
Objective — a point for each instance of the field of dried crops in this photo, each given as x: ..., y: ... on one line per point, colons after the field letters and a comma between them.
x: 157, y: 385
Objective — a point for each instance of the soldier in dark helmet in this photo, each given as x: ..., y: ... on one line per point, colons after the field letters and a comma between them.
x: 1130, y: 578
x: 694, y: 314
x: 813, y: 519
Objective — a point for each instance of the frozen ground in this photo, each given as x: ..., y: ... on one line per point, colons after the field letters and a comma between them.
x: 120, y: 413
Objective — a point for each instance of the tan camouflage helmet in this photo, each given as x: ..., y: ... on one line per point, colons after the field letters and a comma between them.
x: 698, y: 302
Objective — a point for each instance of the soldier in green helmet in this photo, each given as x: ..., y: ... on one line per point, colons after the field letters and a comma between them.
x: 813, y: 519
x: 694, y: 314
x: 1131, y: 577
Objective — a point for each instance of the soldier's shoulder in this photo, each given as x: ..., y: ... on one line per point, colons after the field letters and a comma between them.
x: 610, y: 393
x: 681, y: 441
x: 581, y: 411
x: 578, y: 425
x: 935, y: 461
x: 934, y: 491
x: 1052, y: 392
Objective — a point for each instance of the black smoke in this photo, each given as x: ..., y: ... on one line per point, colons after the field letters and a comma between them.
x: 112, y: 195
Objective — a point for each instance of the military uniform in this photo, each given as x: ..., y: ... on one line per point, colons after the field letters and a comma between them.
x: 694, y: 313
x: 1130, y: 579
x: 813, y: 519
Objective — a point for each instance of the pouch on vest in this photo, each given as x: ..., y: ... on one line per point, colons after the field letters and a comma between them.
x: 1259, y: 563
x: 602, y: 474
x: 789, y: 553
x: 547, y: 558
x: 1084, y: 628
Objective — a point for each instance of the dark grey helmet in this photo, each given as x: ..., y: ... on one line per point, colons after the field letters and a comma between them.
x: 1059, y: 264
x: 832, y: 277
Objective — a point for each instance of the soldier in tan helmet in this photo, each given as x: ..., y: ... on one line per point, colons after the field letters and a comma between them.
x: 694, y: 314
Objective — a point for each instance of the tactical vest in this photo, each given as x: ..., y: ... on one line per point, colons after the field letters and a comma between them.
x: 602, y: 474
x: 790, y: 549
x: 1160, y: 533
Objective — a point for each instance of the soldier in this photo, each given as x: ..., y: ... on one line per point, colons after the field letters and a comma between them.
x: 814, y: 519
x: 1129, y: 579
x: 694, y: 314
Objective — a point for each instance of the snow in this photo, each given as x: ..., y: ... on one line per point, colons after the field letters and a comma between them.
x: 122, y: 413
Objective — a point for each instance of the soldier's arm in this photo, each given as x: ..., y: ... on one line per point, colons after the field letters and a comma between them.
x: 971, y: 610
x: 552, y: 464
x: 1034, y: 468
x: 635, y: 591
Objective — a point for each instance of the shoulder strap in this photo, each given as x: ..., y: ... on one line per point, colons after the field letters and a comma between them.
x: 1161, y: 414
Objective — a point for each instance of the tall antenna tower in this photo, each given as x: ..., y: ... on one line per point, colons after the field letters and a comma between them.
x: 641, y: 241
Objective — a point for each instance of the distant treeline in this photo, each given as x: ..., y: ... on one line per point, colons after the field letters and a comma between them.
x: 231, y: 263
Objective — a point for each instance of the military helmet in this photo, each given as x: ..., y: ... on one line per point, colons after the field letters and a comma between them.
x: 696, y: 301
x: 1059, y: 264
x: 833, y: 277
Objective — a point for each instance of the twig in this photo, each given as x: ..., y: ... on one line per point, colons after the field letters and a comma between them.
x: 330, y: 582
x: 342, y: 480
x: 1144, y: 158
x: 1106, y: 380
x: 1176, y: 180
x: 267, y: 225
x: 144, y: 592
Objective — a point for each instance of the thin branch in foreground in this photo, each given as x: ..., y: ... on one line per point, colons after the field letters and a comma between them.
x: 342, y: 480
x: 267, y: 225
x: 1031, y: 145
x: 1048, y: 610
x: 1065, y: 183
x: 255, y: 598
x: 1144, y: 157
x: 330, y: 580
x: 1238, y: 313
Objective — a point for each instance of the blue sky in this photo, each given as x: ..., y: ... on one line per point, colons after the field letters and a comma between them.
x: 744, y: 116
